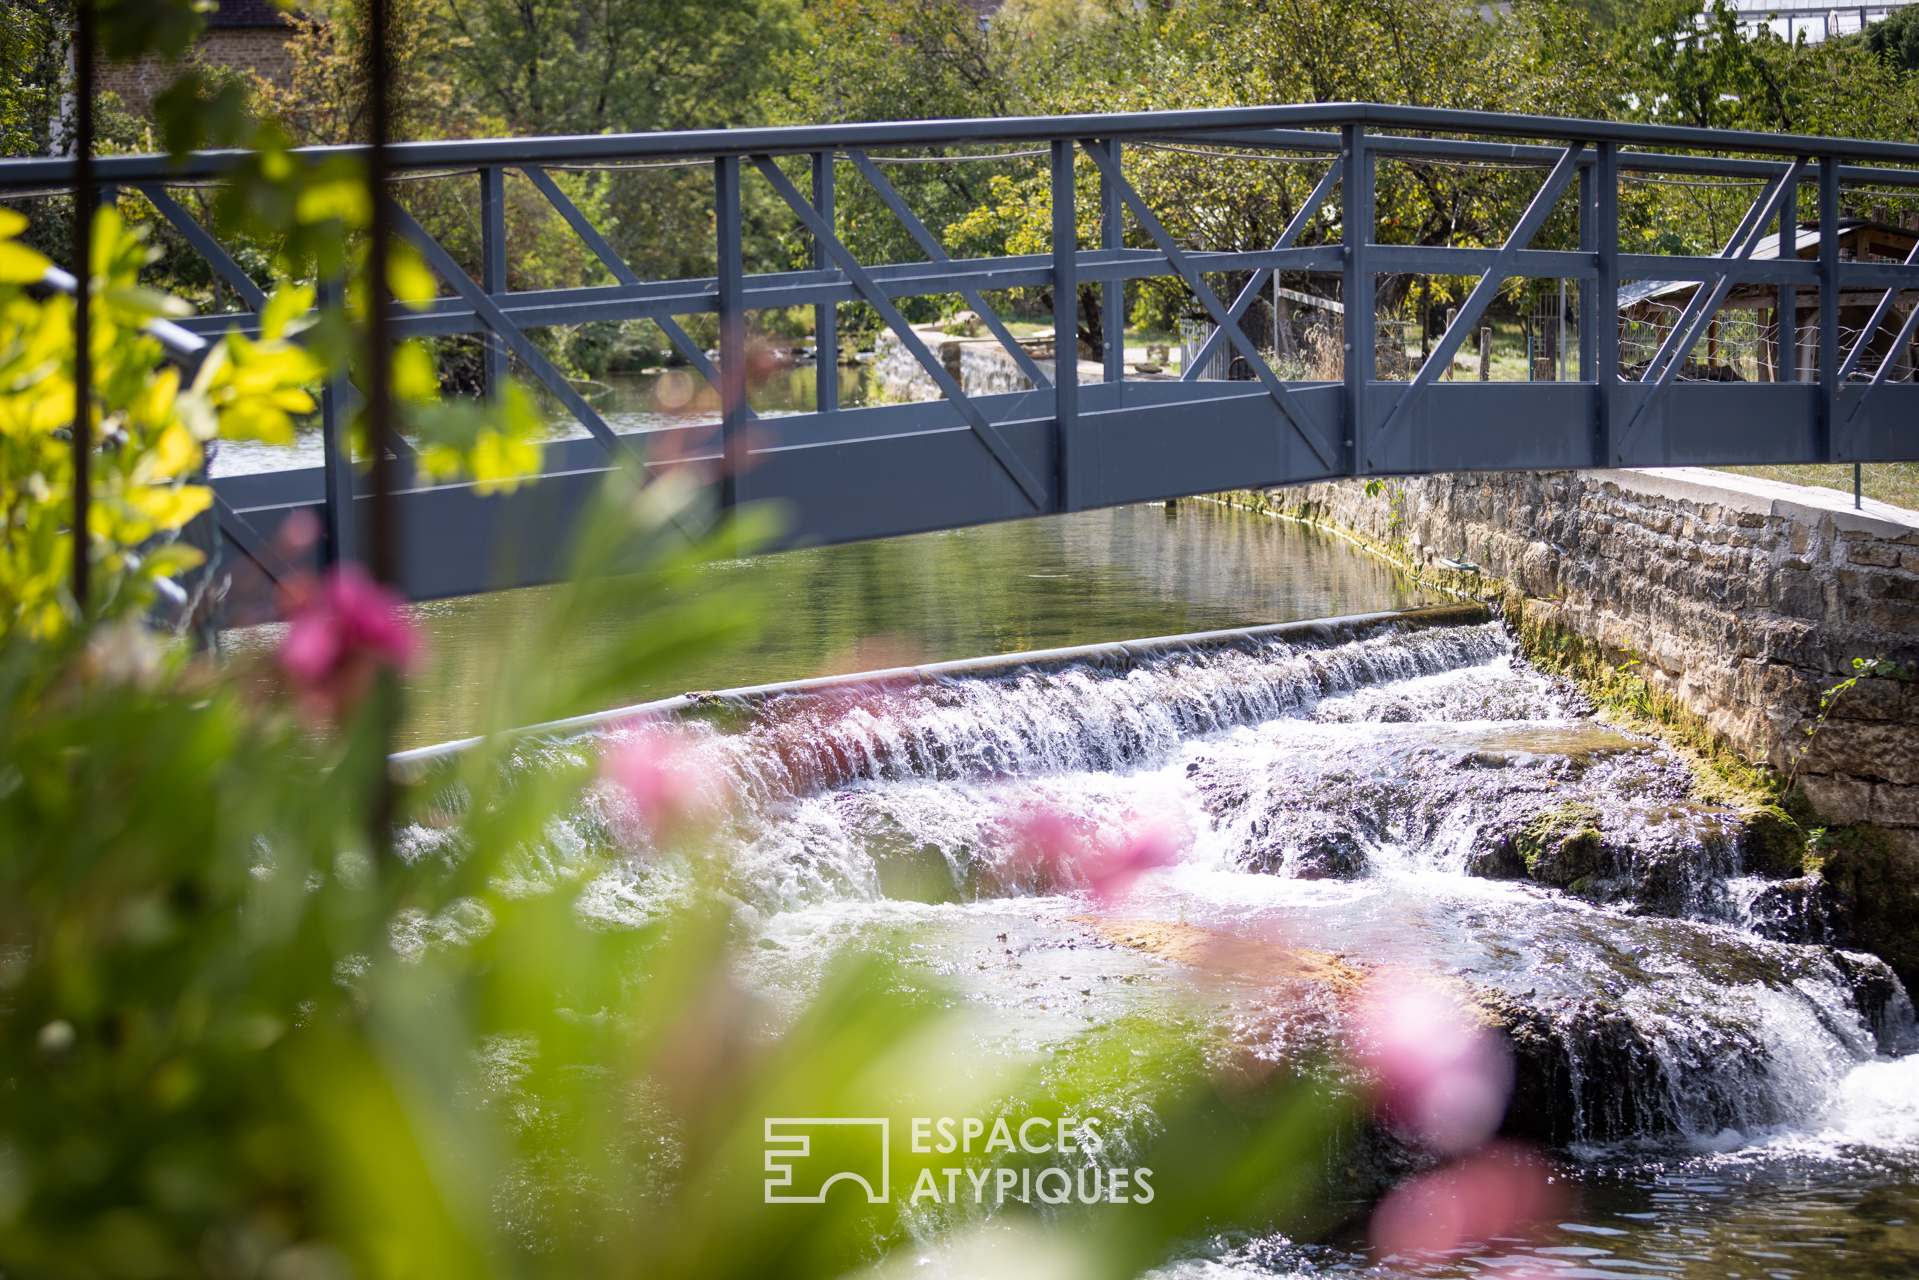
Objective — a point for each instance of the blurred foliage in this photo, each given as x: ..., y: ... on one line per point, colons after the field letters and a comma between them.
x: 246, y: 1032
x: 149, y: 427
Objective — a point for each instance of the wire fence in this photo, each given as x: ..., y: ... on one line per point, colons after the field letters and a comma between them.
x: 1738, y: 344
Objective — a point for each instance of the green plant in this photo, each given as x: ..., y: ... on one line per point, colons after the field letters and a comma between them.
x: 1862, y: 669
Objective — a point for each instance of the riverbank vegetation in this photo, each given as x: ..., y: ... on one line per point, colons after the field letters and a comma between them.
x: 467, y: 68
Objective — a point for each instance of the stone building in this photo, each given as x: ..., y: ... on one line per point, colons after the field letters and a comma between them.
x: 246, y: 35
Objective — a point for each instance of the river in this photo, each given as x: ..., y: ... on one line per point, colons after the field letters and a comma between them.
x: 1725, y: 1099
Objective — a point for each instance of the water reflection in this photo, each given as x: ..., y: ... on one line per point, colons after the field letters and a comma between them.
x: 1032, y: 584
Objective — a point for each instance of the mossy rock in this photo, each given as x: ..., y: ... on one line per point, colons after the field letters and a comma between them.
x: 1774, y: 845
x: 1562, y: 844
x: 1874, y: 897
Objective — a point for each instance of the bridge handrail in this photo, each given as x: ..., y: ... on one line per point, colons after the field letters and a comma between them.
x: 794, y: 140
x: 1060, y: 445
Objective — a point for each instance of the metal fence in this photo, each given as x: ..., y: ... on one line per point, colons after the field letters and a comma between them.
x: 1353, y: 392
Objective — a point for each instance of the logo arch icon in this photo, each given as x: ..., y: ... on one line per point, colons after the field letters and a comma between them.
x: 809, y: 1154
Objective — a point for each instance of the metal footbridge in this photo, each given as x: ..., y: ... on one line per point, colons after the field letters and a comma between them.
x: 1068, y: 444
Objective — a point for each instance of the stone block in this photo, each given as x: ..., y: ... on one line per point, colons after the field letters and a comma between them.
x: 1895, y: 806
x: 1871, y: 700
x: 1798, y: 595
x: 1839, y: 800
x: 1887, y: 751
x: 1873, y: 553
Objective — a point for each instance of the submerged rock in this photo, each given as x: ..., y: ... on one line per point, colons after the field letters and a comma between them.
x: 1631, y: 1028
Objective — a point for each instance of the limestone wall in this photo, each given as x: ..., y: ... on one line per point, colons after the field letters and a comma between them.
x: 1743, y: 600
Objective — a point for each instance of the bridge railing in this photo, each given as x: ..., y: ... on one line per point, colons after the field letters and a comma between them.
x: 1074, y: 441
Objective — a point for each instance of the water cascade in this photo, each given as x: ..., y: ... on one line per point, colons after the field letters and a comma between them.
x: 1417, y: 800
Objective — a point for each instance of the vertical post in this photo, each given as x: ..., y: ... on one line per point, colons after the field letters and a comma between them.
x: 730, y: 250
x: 493, y: 269
x: 826, y: 315
x: 1112, y: 294
x: 1828, y: 305
x: 1605, y: 308
x: 1065, y: 325
x: 1356, y: 283
x: 342, y: 529
x: 1559, y: 336
x: 1588, y: 243
x: 382, y: 553
x: 83, y: 200
x: 1786, y: 366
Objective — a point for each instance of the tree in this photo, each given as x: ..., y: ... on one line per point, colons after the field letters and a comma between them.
x: 544, y: 67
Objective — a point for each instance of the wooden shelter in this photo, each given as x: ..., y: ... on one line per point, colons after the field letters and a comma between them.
x: 1743, y: 341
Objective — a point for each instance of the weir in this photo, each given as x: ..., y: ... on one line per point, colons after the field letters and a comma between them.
x: 1066, y: 446
x: 1361, y: 797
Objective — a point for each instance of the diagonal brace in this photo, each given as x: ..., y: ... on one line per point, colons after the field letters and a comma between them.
x: 496, y: 319
x: 1892, y: 356
x: 1258, y: 283
x: 975, y: 418
x: 1872, y: 325
x: 583, y: 227
x: 205, y: 245
x: 937, y: 252
x: 1210, y: 300
x: 1745, y: 238
x: 1483, y: 293
x: 1704, y: 305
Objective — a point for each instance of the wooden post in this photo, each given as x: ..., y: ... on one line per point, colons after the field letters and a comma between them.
x: 1452, y: 318
x: 1486, y: 355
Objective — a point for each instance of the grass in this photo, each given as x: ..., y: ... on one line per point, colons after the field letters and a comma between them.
x: 1893, y: 482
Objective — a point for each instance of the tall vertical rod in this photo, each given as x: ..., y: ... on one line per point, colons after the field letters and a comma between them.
x: 382, y: 556
x: 1588, y: 294
x: 493, y: 269
x: 382, y: 553
x: 730, y: 247
x: 1356, y: 281
x: 83, y: 216
x: 1065, y: 327
x: 826, y: 315
x: 1786, y: 321
x: 1605, y: 338
x: 342, y: 530
x: 1112, y: 294
x: 1828, y: 306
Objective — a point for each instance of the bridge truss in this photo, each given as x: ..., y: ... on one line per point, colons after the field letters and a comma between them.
x: 1067, y: 444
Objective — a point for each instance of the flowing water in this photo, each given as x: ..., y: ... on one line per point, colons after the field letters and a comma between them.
x: 1727, y: 1103
x: 1729, y: 1098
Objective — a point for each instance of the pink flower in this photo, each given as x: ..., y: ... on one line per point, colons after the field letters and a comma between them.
x: 670, y: 786
x: 1498, y: 1191
x: 1048, y: 845
x: 341, y: 634
x: 1442, y: 1074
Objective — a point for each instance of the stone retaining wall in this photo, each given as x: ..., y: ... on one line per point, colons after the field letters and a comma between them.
x: 1743, y: 600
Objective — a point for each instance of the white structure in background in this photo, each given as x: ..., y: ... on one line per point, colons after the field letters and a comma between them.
x: 1816, y: 21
